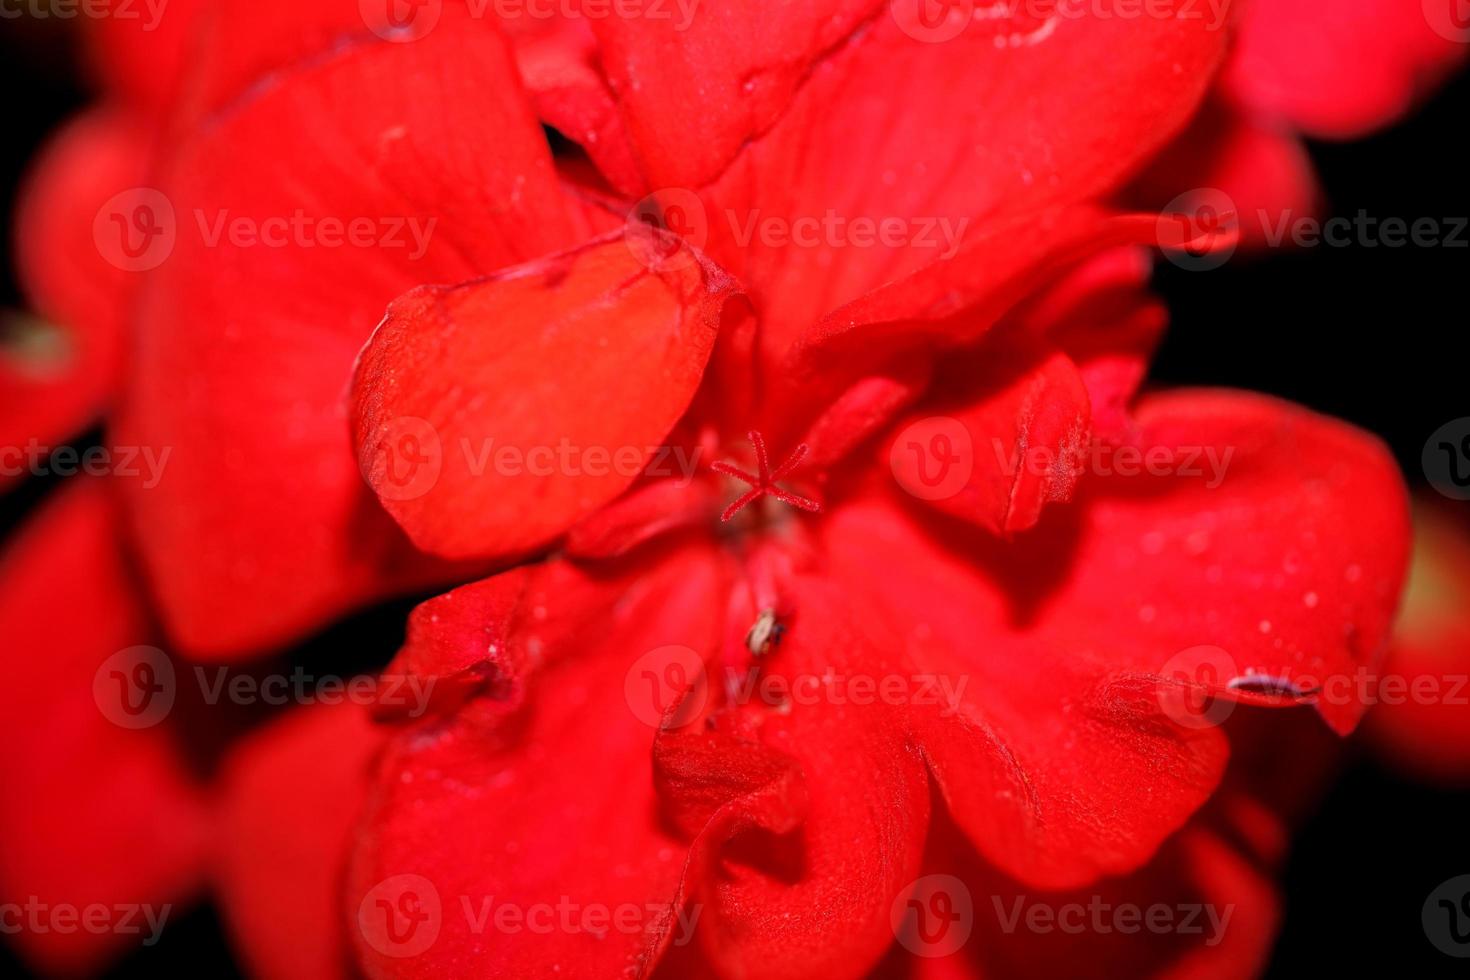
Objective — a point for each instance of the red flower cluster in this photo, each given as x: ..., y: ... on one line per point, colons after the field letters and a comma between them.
x: 828, y: 575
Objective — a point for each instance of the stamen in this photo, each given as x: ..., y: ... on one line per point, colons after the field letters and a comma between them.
x: 764, y: 483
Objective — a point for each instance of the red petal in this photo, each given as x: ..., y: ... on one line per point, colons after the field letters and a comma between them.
x: 94, y: 812
x: 1198, y: 910
x: 523, y: 453
x: 261, y: 527
x: 949, y: 303
x: 291, y: 797
x: 140, y: 48
x: 1103, y: 316
x: 1004, y: 435
x: 1326, y: 593
x: 239, y: 44
x: 811, y: 898
x: 481, y: 641
x: 640, y: 515
x: 832, y: 109
x: 1263, y: 173
x: 558, y: 60
x: 533, y: 841
x: 1343, y: 76
x: 1071, y: 754
x: 51, y: 393
x: 244, y: 41
x: 746, y: 61
x: 866, y: 407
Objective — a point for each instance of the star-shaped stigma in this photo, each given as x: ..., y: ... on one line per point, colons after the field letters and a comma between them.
x: 765, y: 483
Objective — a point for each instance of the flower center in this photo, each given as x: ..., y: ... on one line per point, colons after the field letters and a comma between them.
x: 763, y: 483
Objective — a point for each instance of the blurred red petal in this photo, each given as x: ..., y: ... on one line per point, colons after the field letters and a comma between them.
x: 1199, y: 910
x: 290, y: 798
x: 262, y: 527
x: 94, y: 813
x: 53, y: 391
x: 1262, y: 171
x: 139, y: 47
x: 1341, y: 77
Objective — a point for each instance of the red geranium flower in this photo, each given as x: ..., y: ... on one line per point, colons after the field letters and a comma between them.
x: 837, y: 578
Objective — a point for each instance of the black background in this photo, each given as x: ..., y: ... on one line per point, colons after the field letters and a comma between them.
x: 1373, y: 335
